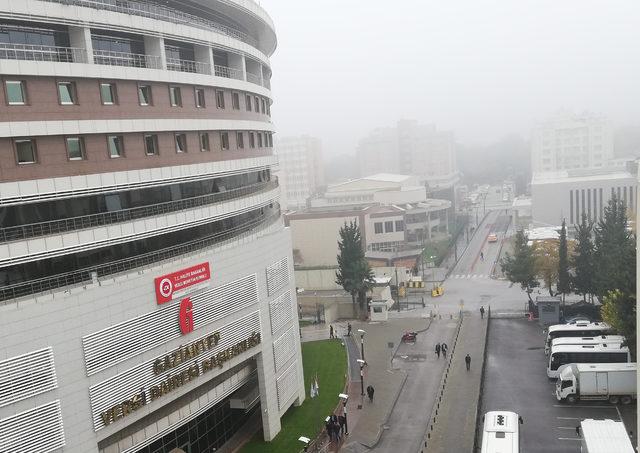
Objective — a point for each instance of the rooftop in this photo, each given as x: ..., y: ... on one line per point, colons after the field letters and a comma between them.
x: 579, y: 175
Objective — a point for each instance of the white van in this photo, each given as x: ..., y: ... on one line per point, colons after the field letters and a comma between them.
x: 601, y: 339
x: 501, y: 432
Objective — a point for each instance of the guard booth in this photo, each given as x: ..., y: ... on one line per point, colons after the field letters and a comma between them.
x: 548, y: 310
x: 378, y: 310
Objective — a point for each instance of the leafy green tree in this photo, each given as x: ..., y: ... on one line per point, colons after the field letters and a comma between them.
x: 564, y: 283
x: 354, y: 273
x: 615, y: 251
x: 520, y: 267
x: 583, y: 259
x: 619, y: 311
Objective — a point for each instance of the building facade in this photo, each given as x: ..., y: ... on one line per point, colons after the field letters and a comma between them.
x: 567, y: 195
x: 414, y: 149
x: 147, y: 299
x: 301, y: 170
x: 569, y: 142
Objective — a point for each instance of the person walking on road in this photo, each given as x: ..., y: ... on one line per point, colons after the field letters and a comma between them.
x: 370, y: 392
x: 438, y: 349
x: 482, y: 312
x: 467, y: 361
x: 349, y: 329
x: 444, y: 348
x: 331, y: 331
x: 481, y: 256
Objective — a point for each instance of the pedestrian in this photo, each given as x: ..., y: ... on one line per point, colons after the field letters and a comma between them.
x: 348, y: 329
x: 467, y: 361
x: 329, y: 427
x: 438, y: 349
x: 331, y: 331
x: 338, y: 429
x: 481, y: 256
x: 342, y: 420
x: 482, y: 312
x: 370, y: 392
x: 444, y: 348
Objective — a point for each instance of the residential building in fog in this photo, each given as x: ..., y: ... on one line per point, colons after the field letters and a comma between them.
x: 147, y: 297
x: 395, y: 217
x: 301, y: 169
x: 569, y: 141
x: 415, y: 149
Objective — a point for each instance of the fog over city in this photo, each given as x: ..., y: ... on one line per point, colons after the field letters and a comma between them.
x: 485, y: 70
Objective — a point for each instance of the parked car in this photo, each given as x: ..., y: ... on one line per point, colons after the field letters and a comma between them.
x: 492, y: 238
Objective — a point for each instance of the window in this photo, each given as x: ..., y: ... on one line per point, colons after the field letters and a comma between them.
x: 181, y: 143
x: 235, y: 101
x: 270, y: 140
x: 175, y: 96
x: 399, y: 225
x: 224, y: 140
x: 256, y: 104
x: 252, y: 140
x: 108, y: 93
x: 377, y: 227
x: 240, y: 140
x: 200, y: 101
x: 67, y: 93
x: 26, y: 151
x: 144, y: 95
x: 259, y: 139
x: 151, y: 144
x: 116, y: 146
x: 16, y: 92
x: 75, y: 148
x: 248, y: 102
x: 264, y: 106
x: 268, y: 108
x: 204, y: 141
x: 388, y: 227
x: 220, y: 99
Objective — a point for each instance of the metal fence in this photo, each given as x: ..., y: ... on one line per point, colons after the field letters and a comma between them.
x: 174, y: 64
x: 125, y: 215
x: 134, y: 60
x: 42, y: 53
x: 229, y: 73
x: 92, y: 274
x: 154, y: 11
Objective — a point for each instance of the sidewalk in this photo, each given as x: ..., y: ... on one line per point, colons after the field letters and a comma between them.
x: 453, y: 426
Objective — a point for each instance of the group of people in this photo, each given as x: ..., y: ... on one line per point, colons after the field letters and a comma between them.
x: 442, y: 348
x: 335, y: 427
x: 332, y: 331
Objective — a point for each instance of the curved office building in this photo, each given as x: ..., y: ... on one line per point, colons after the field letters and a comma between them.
x: 147, y: 300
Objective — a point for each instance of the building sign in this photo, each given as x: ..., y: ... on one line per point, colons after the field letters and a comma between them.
x: 172, y: 382
x: 179, y: 283
x: 186, y: 316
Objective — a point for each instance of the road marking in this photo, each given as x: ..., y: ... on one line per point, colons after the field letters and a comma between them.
x: 579, y: 407
x: 569, y: 418
x: 572, y: 428
x: 569, y: 438
x: 620, y: 415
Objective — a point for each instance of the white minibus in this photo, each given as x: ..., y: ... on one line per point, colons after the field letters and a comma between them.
x: 577, y: 329
x: 586, y: 353
x: 501, y: 432
x: 601, y: 339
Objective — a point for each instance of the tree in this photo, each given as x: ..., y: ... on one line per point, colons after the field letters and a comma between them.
x: 546, y: 260
x: 520, y: 267
x: 564, y: 283
x: 354, y: 273
x: 583, y: 259
x: 619, y: 311
x: 615, y: 251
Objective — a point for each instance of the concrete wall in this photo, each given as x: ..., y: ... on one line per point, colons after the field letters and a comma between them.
x: 317, y: 279
x: 317, y: 239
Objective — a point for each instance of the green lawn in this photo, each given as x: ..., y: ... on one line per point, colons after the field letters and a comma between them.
x: 305, y: 322
x: 328, y: 359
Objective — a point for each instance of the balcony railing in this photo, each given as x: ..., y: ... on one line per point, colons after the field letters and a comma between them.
x: 173, y: 64
x: 87, y: 275
x: 161, y: 13
x: 253, y: 78
x: 42, y: 53
x: 133, y: 60
x: 229, y: 73
x: 126, y: 215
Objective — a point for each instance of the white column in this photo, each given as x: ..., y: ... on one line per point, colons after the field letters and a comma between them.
x: 204, y: 54
x: 268, y: 393
x: 154, y: 46
x: 80, y: 37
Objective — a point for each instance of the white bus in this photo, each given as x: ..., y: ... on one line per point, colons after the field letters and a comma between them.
x: 501, y: 432
x: 586, y: 353
x: 578, y: 329
x: 601, y: 339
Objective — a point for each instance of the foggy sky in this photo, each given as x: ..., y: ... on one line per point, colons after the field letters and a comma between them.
x: 484, y: 69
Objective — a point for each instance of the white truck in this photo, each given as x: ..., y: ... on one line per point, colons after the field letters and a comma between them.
x: 604, y: 436
x: 615, y: 382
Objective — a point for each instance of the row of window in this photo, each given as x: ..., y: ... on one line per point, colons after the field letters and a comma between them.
x: 27, y: 151
x: 388, y: 226
x: 16, y: 94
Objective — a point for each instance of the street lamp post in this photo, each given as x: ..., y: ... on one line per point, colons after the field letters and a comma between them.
x: 305, y: 441
x: 344, y: 397
x: 361, y: 362
x: 362, y: 332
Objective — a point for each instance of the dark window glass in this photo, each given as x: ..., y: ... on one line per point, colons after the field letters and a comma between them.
x: 377, y: 227
x: 224, y: 140
x: 16, y: 92
x: 151, y: 144
x: 116, y: 146
x: 181, y: 143
x: 252, y: 140
x: 399, y: 225
x: 248, y: 102
x: 75, y: 148
x: 220, y: 99
x: 200, y: 99
x: 144, y: 95
x: 26, y: 151
x: 117, y: 42
x: 175, y: 96
x: 235, y: 101
x: 67, y: 93
x: 204, y: 141
x: 108, y: 93
x: 240, y: 140
x: 388, y: 227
